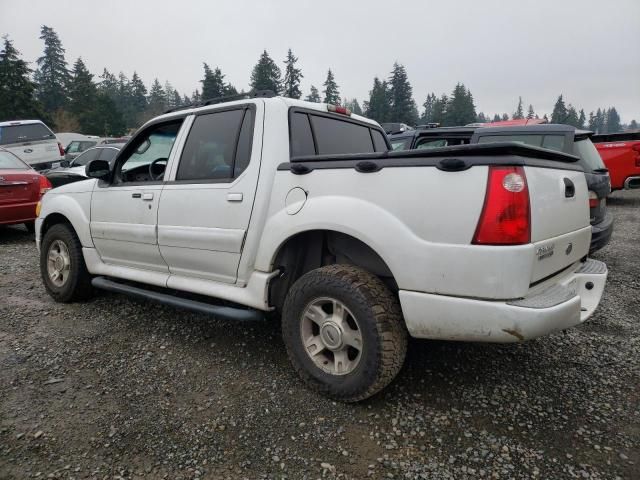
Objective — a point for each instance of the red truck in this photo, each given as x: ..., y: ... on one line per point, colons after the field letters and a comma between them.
x: 620, y: 153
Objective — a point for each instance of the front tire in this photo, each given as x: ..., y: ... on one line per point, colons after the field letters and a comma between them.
x: 62, y: 266
x: 344, y: 332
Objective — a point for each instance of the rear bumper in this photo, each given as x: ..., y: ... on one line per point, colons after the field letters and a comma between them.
x: 48, y: 164
x: 569, y: 302
x: 601, y: 233
x: 19, y: 213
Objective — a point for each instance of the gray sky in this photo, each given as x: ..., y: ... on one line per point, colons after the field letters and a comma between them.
x: 588, y: 50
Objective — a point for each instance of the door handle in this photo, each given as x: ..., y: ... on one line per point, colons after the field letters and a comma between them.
x: 569, y: 188
x: 234, y: 197
x: 136, y: 195
x: 147, y: 196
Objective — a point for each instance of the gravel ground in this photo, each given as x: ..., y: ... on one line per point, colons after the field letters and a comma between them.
x: 117, y: 388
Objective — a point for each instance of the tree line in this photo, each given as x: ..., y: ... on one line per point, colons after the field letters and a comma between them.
x: 73, y: 99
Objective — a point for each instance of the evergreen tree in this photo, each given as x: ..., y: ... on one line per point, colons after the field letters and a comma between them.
x: 109, y: 85
x: 613, y: 121
x: 170, y: 95
x: 560, y: 112
x: 379, y: 105
x: 633, y: 125
x: 460, y: 109
x: 505, y: 117
x: 600, y: 122
x: 497, y: 118
x: 213, y: 83
x: 292, y: 76
x: 52, y: 75
x: 17, y: 91
x: 157, y: 100
x: 331, y: 93
x: 82, y: 94
x: 427, y: 115
x: 440, y: 109
x: 104, y: 118
x: 572, y: 116
x: 314, y: 95
x: 266, y: 75
x: 519, y: 113
x: 592, y: 122
x: 581, y: 119
x: 353, y: 105
x: 530, y: 113
x: 482, y: 118
x: 138, y: 100
x: 196, y: 97
x: 403, y: 107
x: 186, y: 100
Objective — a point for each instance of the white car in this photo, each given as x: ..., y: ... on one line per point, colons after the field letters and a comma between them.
x: 274, y: 204
x: 32, y: 142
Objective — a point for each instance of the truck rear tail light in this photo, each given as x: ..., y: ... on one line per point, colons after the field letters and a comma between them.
x: 505, y: 217
x: 636, y: 149
x: 593, y: 199
x: 45, y: 185
x: 339, y: 109
x: 61, y: 149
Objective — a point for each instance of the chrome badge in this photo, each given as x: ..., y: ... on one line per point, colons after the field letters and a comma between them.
x: 545, y: 251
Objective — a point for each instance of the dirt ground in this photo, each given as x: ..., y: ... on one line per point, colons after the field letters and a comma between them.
x: 118, y: 388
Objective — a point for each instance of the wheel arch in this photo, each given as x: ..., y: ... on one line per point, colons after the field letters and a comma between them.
x: 314, y: 248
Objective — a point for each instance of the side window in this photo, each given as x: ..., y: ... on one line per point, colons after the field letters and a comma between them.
x: 209, y: 152
x: 107, y: 154
x: 378, y: 141
x: 86, y: 157
x: 301, y: 138
x: 553, y: 142
x: 152, y: 146
x: 73, y: 147
x: 336, y: 136
x: 432, y: 143
x: 245, y: 142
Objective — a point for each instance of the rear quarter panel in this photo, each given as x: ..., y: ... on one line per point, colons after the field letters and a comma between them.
x: 620, y: 159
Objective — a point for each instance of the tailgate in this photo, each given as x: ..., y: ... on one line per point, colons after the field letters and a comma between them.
x: 36, y: 152
x: 560, y: 229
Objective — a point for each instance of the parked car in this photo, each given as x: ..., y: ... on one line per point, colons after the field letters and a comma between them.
x: 275, y: 204
x: 33, y: 142
x: 76, y: 169
x: 564, y: 138
x: 76, y: 147
x: 21, y: 188
x: 620, y: 152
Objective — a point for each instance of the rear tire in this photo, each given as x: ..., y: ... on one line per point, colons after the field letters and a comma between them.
x: 344, y: 332
x: 62, y: 266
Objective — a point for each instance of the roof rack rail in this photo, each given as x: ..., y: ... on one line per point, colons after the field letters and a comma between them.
x: 226, y: 98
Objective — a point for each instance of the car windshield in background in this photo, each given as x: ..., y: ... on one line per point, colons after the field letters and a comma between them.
x: 31, y: 132
x: 552, y: 142
x: 589, y: 156
x: 11, y: 162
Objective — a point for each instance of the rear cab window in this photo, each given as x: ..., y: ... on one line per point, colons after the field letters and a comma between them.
x: 552, y: 142
x: 314, y: 133
x: 29, y: 132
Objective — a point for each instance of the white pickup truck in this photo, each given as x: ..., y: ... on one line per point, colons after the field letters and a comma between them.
x: 273, y: 204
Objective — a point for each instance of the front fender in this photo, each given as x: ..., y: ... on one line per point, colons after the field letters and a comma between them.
x: 75, y: 207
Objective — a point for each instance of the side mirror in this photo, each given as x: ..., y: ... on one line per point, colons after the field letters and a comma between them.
x: 98, y: 169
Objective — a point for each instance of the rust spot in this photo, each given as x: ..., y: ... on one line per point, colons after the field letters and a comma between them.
x: 515, y: 333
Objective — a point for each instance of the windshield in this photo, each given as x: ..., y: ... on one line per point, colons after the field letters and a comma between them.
x: 11, y: 162
x: 589, y: 156
x: 31, y: 132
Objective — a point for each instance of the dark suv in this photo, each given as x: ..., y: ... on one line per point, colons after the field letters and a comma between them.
x: 564, y: 138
